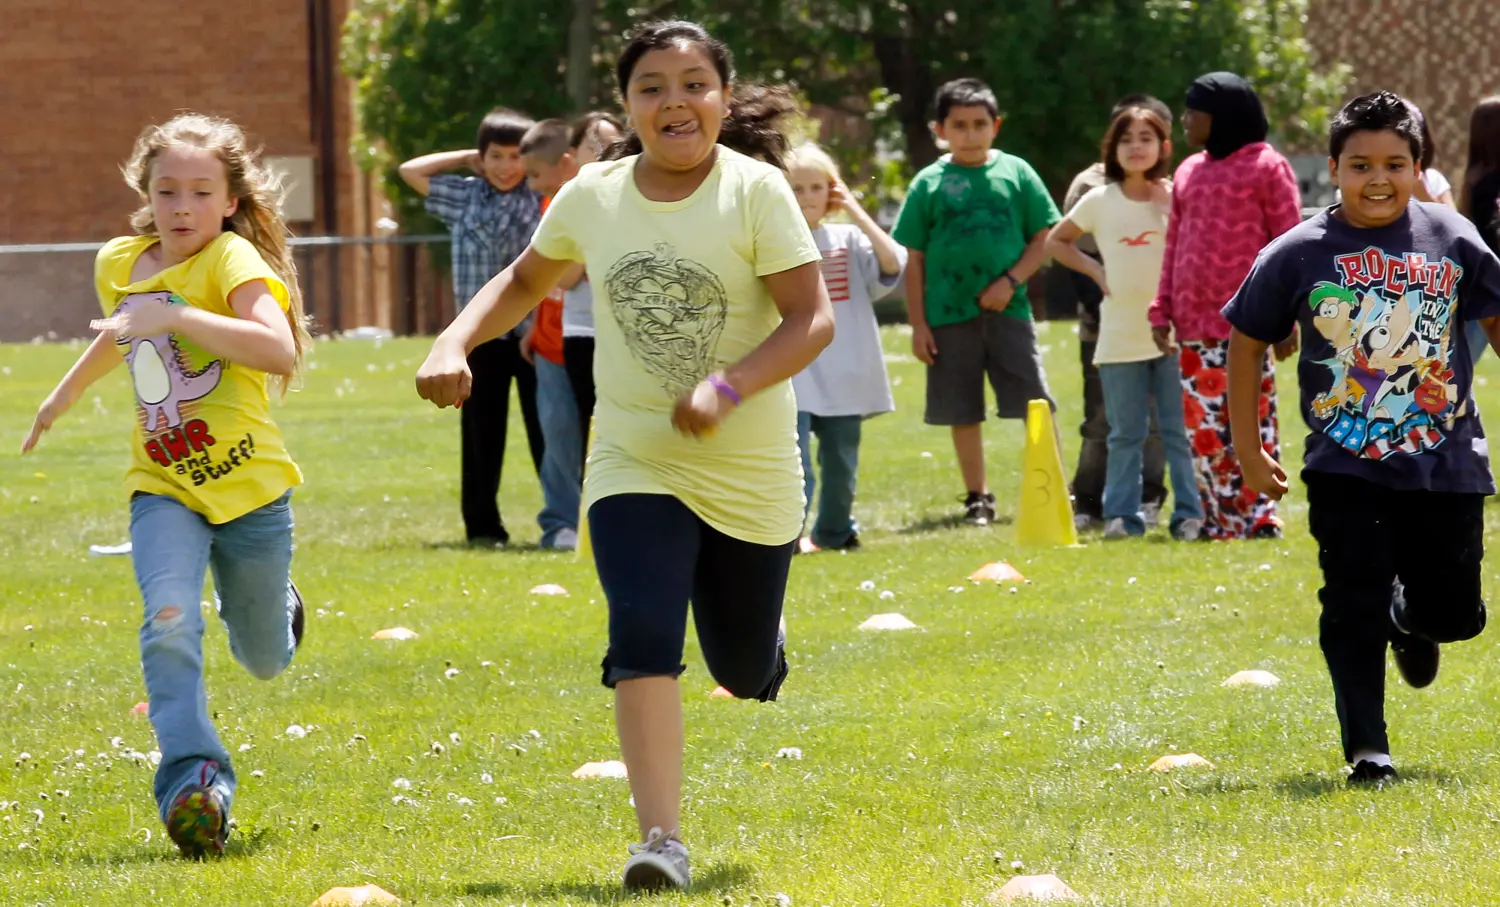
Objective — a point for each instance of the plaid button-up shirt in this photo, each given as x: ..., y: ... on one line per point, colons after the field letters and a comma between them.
x: 490, y: 228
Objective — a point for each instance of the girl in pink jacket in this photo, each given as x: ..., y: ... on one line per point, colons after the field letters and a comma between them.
x: 1228, y: 202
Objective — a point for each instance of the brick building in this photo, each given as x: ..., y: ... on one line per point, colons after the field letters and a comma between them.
x: 83, y: 76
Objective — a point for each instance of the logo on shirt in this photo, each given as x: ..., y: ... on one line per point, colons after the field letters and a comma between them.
x: 164, y: 383
x: 1143, y: 239
x: 835, y: 267
x: 1390, y: 322
x: 671, y: 312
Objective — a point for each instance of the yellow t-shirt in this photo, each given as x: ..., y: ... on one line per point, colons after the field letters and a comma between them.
x: 1132, y: 238
x: 203, y: 431
x: 677, y: 295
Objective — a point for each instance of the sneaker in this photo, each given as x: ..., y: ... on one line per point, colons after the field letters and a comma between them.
x: 564, y: 539
x: 1189, y: 530
x: 1086, y: 522
x: 851, y: 544
x: 661, y: 862
x: 1115, y: 529
x: 196, y: 820
x: 1151, y: 513
x: 806, y: 545
x: 1372, y: 774
x: 299, y: 617
x: 979, y: 509
x: 1416, y: 658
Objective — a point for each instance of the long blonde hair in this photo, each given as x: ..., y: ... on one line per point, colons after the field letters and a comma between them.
x: 255, y: 187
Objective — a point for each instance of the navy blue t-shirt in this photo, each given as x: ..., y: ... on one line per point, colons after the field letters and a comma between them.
x: 1385, y: 374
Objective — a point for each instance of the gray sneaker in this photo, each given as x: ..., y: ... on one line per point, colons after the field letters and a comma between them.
x: 1115, y: 529
x: 1151, y: 513
x: 1189, y: 530
x: 661, y: 862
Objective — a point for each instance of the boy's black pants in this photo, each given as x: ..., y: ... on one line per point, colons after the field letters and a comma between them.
x: 483, y: 422
x: 1368, y: 536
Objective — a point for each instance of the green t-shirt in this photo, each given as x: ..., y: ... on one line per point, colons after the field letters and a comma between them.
x: 972, y: 223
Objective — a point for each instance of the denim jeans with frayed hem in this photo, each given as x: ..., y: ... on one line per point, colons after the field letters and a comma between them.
x: 1130, y: 391
x: 172, y: 549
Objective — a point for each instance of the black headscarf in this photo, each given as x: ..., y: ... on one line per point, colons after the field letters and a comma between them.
x: 1239, y: 118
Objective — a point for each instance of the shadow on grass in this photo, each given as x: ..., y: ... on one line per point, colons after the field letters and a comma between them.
x: 719, y: 879
x: 512, y: 548
x: 243, y: 844
x: 1313, y: 785
x: 947, y: 521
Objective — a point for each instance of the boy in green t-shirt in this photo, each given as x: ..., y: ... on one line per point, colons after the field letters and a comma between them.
x: 976, y: 222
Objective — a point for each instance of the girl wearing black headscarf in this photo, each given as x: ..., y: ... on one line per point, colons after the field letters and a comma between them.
x: 1228, y: 202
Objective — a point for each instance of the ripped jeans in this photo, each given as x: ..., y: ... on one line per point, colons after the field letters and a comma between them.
x: 251, y: 557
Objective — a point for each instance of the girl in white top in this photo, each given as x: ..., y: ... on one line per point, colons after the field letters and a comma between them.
x: 847, y: 383
x: 1127, y: 217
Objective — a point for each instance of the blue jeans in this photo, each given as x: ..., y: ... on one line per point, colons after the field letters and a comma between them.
x: 251, y: 559
x: 562, y: 457
x: 1129, y: 390
x: 838, y: 461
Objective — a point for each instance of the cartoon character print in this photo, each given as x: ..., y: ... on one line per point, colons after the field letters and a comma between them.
x: 974, y: 220
x: 1393, y: 389
x: 671, y: 312
x: 160, y: 372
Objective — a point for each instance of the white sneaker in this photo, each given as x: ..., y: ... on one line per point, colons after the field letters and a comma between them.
x: 1115, y: 529
x: 1151, y: 513
x: 661, y: 862
x: 1085, y: 522
x: 564, y: 540
x: 1190, y: 530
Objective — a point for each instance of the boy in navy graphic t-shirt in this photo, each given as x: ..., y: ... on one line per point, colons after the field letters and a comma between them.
x: 1396, y: 465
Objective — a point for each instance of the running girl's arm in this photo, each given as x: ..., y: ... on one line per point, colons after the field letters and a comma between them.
x: 571, y: 277
x: 498, y: 307
x: 419, y: 171
x: 806, y: 328
x: 258, y: 336
x: 97, y: 361
x: 1062, y: 245
x: 1246, y: 360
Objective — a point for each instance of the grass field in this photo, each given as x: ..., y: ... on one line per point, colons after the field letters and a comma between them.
x: 1012, y: 729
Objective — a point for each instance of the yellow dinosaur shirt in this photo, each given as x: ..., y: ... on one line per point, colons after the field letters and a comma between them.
x: 203, y: 431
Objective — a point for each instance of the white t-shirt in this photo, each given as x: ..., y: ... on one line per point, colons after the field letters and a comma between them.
x: 578, y: 310
x: 1132, y: 238
x: 1436, y: 183
x: 848, y: 378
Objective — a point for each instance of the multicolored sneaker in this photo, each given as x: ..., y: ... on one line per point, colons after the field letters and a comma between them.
x: 196, y: 821
x: 661, y: 862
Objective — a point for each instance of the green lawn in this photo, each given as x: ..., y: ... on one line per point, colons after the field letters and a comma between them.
x: 1015, y: 725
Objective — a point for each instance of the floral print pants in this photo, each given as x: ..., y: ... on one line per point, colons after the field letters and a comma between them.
x: 1232, y: 510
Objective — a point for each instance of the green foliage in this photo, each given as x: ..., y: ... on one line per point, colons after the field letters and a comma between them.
x: 427, y: 70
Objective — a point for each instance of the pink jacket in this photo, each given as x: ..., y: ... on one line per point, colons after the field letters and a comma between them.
x: 1223, y: 213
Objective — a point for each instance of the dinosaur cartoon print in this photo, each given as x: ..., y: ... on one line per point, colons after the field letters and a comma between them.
x: 1389, y: 324
x: 160, y: 372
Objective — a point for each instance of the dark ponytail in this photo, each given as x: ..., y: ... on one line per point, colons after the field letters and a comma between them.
x: 757, y: 113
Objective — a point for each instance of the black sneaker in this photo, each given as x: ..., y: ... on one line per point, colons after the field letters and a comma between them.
x: 979, y: 509
x: 299, y: 617
x: 1416, y: 658
x: 1370, y: 774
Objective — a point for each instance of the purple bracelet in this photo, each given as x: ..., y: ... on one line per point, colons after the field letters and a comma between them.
x: 725, y: 388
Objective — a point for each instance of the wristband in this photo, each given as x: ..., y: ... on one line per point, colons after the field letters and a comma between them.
x: 725, y: 389
x: 1014, y: 284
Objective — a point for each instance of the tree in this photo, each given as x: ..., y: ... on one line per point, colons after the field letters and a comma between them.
x: 425, y: 70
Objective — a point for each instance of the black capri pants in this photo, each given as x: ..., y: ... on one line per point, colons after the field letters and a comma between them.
x: 655, y: 557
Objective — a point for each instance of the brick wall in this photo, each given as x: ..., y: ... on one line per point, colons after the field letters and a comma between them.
x: 1442, y: 54
x: 82, y: 77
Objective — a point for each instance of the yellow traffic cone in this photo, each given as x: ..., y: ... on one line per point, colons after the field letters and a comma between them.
x: 585, y: 548
x: 1046, y: 516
